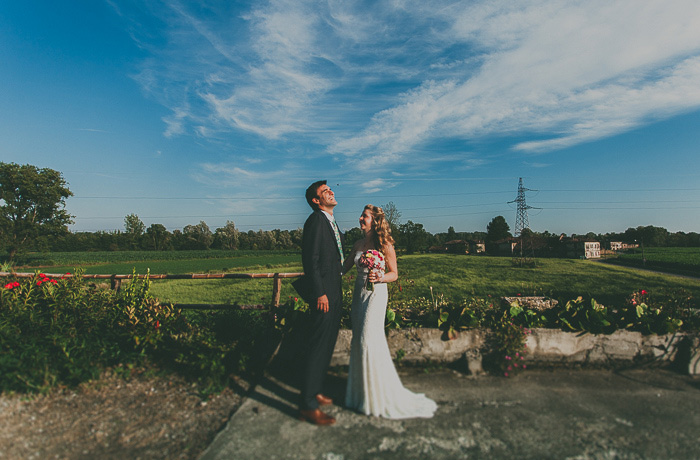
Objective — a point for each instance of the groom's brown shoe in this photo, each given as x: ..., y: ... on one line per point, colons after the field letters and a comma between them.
x: 324, y: 400
x: 316, y: 417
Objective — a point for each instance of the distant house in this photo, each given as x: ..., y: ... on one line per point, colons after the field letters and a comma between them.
x: 584, y: 249
x: 506, y: 247
x: 620, y: 246
x: 615, y: 245
x: 437, y: 249
x: 477, y: 247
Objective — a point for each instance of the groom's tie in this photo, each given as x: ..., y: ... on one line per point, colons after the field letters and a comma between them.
x: 337, y: 240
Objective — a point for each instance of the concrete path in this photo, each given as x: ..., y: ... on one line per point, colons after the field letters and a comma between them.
x: 539, y: 414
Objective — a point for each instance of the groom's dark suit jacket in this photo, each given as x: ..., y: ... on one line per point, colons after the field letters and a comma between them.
x: 321, y: 259
x: 322, y: 276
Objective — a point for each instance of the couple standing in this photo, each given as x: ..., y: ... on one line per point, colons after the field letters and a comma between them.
x: 373, y: 387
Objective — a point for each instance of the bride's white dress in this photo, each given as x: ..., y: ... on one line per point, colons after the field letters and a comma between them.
x: 374, y: 387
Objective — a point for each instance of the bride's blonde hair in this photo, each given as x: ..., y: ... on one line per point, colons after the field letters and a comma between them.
x: 382, y: 230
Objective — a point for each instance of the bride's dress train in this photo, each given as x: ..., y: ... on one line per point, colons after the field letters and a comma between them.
x: 374, y: 387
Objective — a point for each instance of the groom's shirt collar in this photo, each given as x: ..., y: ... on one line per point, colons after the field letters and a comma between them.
x: 328, y: 216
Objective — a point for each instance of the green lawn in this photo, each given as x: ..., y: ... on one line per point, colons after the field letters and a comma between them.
x: 684, y: 261
x: 453, y: 276
x: 563, y: 279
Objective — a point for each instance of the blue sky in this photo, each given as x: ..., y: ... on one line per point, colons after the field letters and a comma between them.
x: 215, y: 111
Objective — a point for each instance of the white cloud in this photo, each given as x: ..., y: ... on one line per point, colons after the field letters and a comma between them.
x: 569, y: 72
x: 378, y: 82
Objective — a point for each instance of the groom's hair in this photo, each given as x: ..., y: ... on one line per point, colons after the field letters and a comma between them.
x: 311, y: 193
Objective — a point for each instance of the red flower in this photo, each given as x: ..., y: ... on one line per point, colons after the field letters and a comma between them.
x: 157, y: 325
x: 643, y: 292
x: 12, y: 285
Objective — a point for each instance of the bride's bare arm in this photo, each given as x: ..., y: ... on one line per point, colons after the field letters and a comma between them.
x: 391, y: 273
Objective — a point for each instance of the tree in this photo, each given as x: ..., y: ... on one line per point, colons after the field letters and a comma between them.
x: 133, y: 225
x: 391, y: 214
x: 497, y: 229
x: 451, y: 234
x: 226, y: 237
x: 134, y: 229
x: 197, y: 236
x: 352, y: 236
x: 158, y: 236
x: 32, y: 202
x: 412, y: 237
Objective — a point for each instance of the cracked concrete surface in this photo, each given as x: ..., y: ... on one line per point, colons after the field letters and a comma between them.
x: 558, y: 414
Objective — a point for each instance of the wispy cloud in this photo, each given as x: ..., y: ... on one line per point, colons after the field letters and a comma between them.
x: 374, y: 83
x: 92, y: 130
x: 570, y: 72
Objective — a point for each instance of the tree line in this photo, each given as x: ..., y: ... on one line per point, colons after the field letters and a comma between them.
x: 33, y: 217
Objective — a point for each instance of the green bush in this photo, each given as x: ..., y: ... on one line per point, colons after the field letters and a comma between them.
x: 56, y: 332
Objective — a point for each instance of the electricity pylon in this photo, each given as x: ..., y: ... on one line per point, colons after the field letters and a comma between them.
x: 527, y: 255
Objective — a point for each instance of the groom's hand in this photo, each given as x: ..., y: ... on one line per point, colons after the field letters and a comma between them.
x: 322, y: 303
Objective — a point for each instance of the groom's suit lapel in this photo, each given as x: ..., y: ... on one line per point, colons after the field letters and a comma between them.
x: 331, y: 233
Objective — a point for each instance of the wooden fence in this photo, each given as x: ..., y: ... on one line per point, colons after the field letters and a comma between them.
x: 116, y: 280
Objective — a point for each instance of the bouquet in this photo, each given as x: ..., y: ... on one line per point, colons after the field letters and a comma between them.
x: 373, y: 260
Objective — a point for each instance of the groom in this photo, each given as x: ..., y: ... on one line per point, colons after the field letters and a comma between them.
x: 321, y: 254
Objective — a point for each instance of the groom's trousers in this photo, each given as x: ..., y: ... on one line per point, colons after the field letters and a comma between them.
x: 322, y: 335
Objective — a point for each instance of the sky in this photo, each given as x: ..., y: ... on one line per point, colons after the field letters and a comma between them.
x: 216, y: 111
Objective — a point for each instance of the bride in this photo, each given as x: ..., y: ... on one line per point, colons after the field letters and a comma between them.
x: 374, y: 387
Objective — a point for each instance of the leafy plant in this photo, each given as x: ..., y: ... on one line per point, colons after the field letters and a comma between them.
x: 470, y: 313
x: 579, y: 315
x: 63, y: 331
x: 505, y: 352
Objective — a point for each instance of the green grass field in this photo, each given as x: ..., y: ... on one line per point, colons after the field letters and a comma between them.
x: 162, y: 262
x: 684, y: 261
x: 452, y: 276
x: 562, y: 279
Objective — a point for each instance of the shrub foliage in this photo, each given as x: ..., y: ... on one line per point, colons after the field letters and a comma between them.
x: 56, y: 332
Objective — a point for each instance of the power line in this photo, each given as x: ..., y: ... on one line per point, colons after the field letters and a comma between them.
x: 349, y: 197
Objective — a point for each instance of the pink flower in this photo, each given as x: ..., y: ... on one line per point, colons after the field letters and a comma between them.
x: 510, y: 368
x: 506, y: 374
x: 524, y: 366
x: 643, y: 292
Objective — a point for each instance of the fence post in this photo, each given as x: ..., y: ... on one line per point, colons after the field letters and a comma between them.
x: 115, y: 283
x: 276, y: 290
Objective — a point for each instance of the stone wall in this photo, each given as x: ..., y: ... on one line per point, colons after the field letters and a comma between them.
x: 544, y: 347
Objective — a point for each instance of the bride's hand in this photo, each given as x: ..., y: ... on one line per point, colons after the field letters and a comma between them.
x: 375, y: 277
